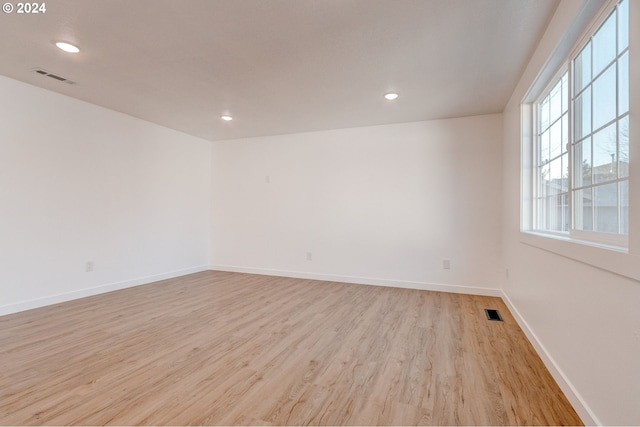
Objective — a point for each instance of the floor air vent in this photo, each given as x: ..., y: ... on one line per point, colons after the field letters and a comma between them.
x: 493, y: 315
x: 54, y: 76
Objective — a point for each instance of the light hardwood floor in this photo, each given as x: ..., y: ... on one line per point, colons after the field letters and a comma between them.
x: 229, y: 348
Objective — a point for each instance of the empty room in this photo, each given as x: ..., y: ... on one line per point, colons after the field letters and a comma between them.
x: 320, y: 212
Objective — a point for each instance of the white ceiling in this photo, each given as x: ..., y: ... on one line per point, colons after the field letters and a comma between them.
x: 279, y: 66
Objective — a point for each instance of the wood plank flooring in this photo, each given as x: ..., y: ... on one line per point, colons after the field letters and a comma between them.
x: 237, y: 349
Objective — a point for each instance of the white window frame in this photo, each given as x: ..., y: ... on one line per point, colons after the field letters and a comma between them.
x: 531, y: 220
x: 612, y: 257
x: 535, y: 179
x: 608, y: 239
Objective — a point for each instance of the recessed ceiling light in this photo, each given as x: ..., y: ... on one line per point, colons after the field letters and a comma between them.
x: 67, y: 47
x: 226, y: 118
x: 391, y: 96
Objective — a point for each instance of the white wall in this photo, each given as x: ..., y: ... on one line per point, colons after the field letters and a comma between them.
x: 80, y: 183
x: 380, y: 205
x: 585, y: 320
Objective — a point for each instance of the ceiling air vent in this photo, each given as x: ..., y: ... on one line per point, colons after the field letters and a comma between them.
x: 54, y: 76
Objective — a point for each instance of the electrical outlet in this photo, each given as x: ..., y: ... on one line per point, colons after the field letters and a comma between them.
x: 506, y: 273
x: 309, y: 256
x: 446, y: 264
x: 267, y: 179
x: 89, y: 266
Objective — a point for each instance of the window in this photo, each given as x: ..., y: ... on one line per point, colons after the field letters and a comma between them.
x: 552, y: 159
x: 580, y: 159
x: 601, y: 128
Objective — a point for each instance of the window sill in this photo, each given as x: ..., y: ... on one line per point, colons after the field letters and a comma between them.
x: 610, y: 258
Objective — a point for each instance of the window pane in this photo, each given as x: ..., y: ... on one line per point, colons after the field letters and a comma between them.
x: 544, y: 180
x: 583, y: 211
x: 565, y: 173
x: 582, y: 68
x: 565, y: 92
x: 555, y: 213
x: 624, y: 207
x: 542, y: 213
x: 544, y: 147
x: 606, y: 208
x: 623, y: 147
x: 604, y: 45
x: 623, y: 25
x: 555, y: 102
x: 565, y: 212
x: 544, y: 114
x: 604, y: 155
x: 582, y: 163
x: 623, y: 84
x: 565, y: 132
x: 582, y: 115
x: 555, y: 177
x: 555, y: 140
x: 604, y: 98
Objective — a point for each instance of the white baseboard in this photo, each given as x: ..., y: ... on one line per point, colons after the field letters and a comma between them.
x: 581, y: 407
x: 87, y: 292
x: 472, y: 290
